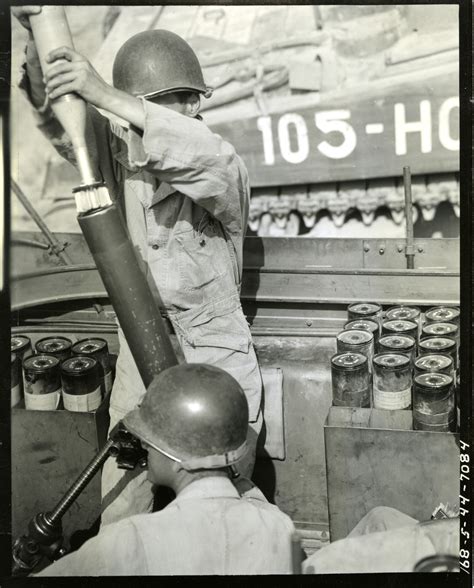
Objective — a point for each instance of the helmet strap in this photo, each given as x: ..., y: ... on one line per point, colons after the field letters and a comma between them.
x: 211, y: 462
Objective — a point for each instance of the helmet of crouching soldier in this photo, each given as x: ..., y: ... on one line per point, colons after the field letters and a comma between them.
x: 157, y: 62
x: 195, y: 414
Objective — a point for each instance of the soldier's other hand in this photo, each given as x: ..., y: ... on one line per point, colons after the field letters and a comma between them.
x: 73, y: 73
x: 23, y: 13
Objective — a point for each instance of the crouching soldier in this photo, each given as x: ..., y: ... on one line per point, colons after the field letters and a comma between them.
x: 193, y: 423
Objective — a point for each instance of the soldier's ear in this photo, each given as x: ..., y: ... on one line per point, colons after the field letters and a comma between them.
x: 193, y: 104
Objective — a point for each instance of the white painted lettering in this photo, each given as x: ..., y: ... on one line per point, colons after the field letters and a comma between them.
x: 422, y: 126
x: 330, y: 121
x: 302, y: 142
x: 445, y: 137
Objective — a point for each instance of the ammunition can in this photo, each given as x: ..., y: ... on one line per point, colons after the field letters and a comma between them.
x: 365, y: 325
x: 398, y: 344
x: 80, y: 379
x: 434, y: 363
x: 363, y: 310
x: 433, y: 403
x: 400, y: 327
x: 354, y: 341
x: 41, y: 382
x: 350, y: 380
x: 59, y: 347
x: 443, y: 314
x: 21, y: 346
x: 404, y: 313
x: 392, y: 381
x: 99, y: 350
x: 444, y: 345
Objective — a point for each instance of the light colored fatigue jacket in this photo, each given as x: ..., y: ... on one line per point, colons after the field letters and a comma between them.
x: 185, y: 195
x: 208, y: 529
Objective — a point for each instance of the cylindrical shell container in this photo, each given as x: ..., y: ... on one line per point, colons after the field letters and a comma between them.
x: 400, y: 327
x: 350, y: 380
x: 41, y: 382
x: 59, y: 347
x: 363, y: 310
x: 444, y: 345
x: 433, y: 403
x: 21, y: 346
x: 434, y: 363
x: 80, y: 379
x: 398, y: 344
x: 392, y: 381
x: 365, y: 325
x: 441, y: 330
x: 404, y: 313
x: 354, y: 341
x: 99, y: 350
x: 15, y: 384
x: 443, y: 314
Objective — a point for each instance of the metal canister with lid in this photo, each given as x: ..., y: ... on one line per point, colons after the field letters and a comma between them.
x: 434, y: 363
x: 444, y: 345
x: 356, y: 341
x: 363, y: 310
x: 41, y: 382
x: 398, y: 344
x: 392, y: 381
x: 443, y: 314
x: 365, y: 325
x: 433, y: 403
x: 21, y: 346
x: 450, y: 330
x: 57, y: 346
x: 400, y: 327
x: 81, y: 384
x: 99, y: 350
x: 441, y: 330
x: 350, y: 380
x: 15, y: 382
x: 404, y: 313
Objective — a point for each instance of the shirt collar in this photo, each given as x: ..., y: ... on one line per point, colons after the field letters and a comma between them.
x: 211, y: 487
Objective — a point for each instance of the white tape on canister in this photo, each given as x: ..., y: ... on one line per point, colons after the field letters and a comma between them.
x: 47, y: 401
x: 392, y: 400
x: 82, y: 402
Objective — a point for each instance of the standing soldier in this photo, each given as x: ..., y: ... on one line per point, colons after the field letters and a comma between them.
x: 185, y: 195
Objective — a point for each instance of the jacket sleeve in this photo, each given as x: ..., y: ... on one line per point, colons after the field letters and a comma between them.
x: 183, y: 152
x: 116, y: 551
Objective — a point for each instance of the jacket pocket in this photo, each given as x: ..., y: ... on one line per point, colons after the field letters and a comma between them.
x: 202, y: 259
x: 229, y: 331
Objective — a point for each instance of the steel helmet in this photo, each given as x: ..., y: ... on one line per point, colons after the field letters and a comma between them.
x: 156, y: 62
x: 195, y: 414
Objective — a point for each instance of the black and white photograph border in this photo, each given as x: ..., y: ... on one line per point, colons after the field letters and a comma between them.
x: 258, y: 204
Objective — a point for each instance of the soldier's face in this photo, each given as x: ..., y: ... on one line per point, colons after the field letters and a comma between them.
x: 171, y: 101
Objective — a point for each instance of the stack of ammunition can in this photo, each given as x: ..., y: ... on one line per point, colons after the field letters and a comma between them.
x: 407, y: 362
x: 78, y: 375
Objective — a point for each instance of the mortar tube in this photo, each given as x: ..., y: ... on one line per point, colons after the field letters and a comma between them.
x: 136, y: 307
